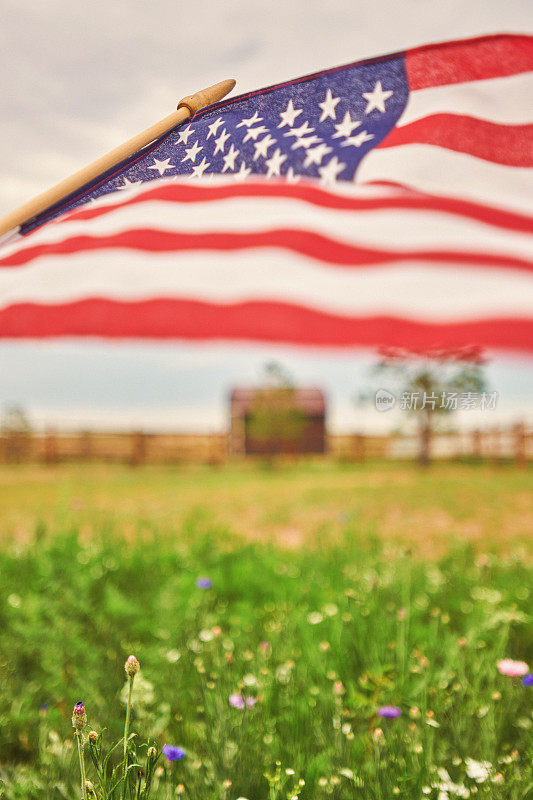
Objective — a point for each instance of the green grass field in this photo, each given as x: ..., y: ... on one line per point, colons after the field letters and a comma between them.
x: 336, y: 590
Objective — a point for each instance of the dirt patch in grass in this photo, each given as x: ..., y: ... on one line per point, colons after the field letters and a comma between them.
x: 295, y: 505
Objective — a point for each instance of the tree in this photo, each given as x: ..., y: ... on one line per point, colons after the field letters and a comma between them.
x: 432, y: 384
x: 16, y: 431
x: 275, y: 417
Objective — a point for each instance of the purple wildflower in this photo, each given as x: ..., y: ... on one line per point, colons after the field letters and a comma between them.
x: 527, y: 680
x: 236, y: 700
x: 389, y: 712
x: 79, y: 716
x: 173, y: 753
x: 204, y: 583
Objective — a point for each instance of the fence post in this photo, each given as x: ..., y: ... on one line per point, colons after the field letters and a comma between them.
x: 138, y: 449
x: 51, y: 455
x: 519, y: 434
x: 358, y: 447
x: 495, y: 450
x: 86, y: 445
x: 476, y: 444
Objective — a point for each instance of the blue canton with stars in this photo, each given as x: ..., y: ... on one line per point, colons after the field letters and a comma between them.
x: 318, y: 127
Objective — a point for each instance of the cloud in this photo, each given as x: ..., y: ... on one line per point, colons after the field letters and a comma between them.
x: 79, y: 78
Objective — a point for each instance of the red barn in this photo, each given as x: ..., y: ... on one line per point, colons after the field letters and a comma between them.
x: 277, y: 420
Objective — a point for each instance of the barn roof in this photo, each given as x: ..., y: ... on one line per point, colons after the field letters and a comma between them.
x: 309, y: 399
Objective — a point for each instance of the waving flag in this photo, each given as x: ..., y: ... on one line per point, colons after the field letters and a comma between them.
x: 382, y: 203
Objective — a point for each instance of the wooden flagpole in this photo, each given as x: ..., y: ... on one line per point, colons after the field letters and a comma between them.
x: 186, y: 108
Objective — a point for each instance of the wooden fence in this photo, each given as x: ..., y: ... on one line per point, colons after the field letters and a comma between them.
x: 138, y: 447
x: 492, y: 444
x: 133, y: 448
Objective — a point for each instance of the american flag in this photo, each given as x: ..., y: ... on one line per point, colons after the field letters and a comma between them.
x: 386, y: 202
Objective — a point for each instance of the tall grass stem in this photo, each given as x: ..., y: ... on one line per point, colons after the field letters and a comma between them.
x: 126, y: 734
x: 82, y: 764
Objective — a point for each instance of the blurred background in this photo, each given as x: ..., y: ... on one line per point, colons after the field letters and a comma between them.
x: 79, y: 79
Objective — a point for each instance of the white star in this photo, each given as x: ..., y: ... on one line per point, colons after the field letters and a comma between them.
x: 129, y: 184
x: 248, y: 122
x: 243, y: 172
x: 184, y: 135
x: 329, y: 172
x: 161, y: 166
x: 328, y: 106
x: 305, y: 142
x: 345, y: 127
x: 358, y: 140
x: 289, y: 115
x: 274, y: 163
x: 316, y: 154
x: 303, y: 130
x: 192, y: 152
x: 229, y: 158
x: 253, y: 133
x: 261, y: 148
x: 291, y: 177
x: 199, y: 169
x: 376, y: 99
x: 213, y: 128
x: 220, y: 142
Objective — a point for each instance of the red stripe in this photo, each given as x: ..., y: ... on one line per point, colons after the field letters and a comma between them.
x: 409, y: 200
x: 256, y: 320
x: 468, y: 60
x: 511, y: 145
x: 304, y: 242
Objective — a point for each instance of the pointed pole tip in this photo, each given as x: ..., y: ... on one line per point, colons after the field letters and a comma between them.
x: 206, y: 97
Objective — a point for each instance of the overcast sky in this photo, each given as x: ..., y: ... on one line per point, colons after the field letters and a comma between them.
x: 79, y: 78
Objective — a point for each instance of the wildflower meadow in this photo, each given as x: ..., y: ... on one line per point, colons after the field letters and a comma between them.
x: 190, y: 661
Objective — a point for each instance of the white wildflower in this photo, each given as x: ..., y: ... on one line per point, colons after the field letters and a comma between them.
x: 173, y: 656
x: 479, y: 771
x: 14, y: 600
x: 347, y: 773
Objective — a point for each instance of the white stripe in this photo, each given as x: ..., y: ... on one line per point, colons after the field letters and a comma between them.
x: 390, y: 229
x: 428, y: 168
x: 50, y: 232
x: 412, y: 290
x: 498, y: 100
x: 9, y: 238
